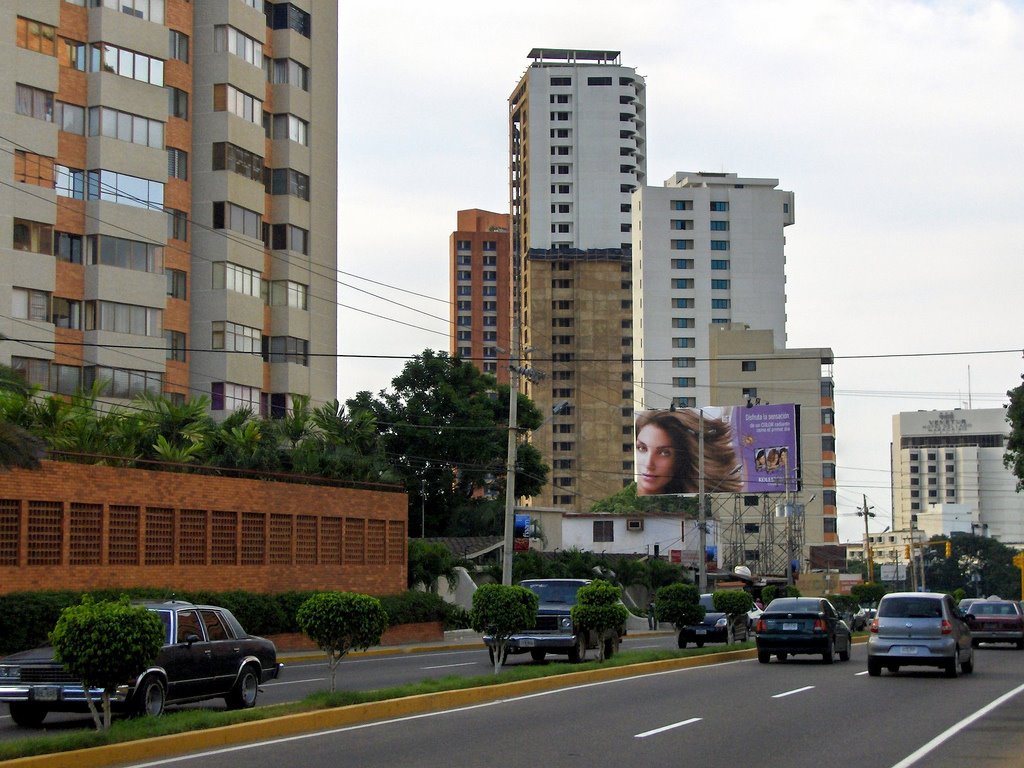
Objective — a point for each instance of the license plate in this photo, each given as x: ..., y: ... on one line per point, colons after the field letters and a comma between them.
x: 702, y: 631
x: 908, y: 650
x: 790, y: 627
x: 46, y: 693
x: 527, y: 642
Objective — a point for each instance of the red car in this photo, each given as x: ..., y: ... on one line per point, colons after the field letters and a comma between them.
x: 996, y: 621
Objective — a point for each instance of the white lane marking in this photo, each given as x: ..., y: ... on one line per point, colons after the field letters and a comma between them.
x: 952, y: 731
x: 858, y: 674
x: 790, y: 693
x: 636, y: 647
x: 664, y: 728
x: 445, y: 666
x: 421, y: 716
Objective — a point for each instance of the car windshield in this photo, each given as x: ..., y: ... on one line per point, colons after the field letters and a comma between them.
x: 708, y: 602
x: 910, y: 608
x: 165, y: 618
x: 789, y: 604
x: 993, y: 609
x: 554, y: 593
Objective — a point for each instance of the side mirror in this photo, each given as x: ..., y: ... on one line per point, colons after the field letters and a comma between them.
x: 191, y: 637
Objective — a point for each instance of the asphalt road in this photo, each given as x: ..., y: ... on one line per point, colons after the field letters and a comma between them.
x: 799, y: 714
x: 355, y: 673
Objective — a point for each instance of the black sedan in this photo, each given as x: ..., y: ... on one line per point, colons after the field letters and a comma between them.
x: 802, y: 625
x: 717, y: 627
x: 207, y: 655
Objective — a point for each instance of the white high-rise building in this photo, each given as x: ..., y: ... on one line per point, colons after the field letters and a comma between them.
x: 709, y: 250
x: 948, y: 475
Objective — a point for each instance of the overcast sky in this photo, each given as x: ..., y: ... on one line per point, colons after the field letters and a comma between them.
x: 897, y: 125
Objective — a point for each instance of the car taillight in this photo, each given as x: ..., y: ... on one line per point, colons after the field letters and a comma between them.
x: 761, y: 626
x: 873, y: 626
x: 947, y: 628
x: 820, y: 625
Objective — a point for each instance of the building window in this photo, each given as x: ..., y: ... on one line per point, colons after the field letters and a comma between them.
x: 288, y: 237
x: 149, y: 10
x: 70, y: 118
x: 719, y: 226
x: 176, y: 346
x: 177, y: 164
x: 683, y: 342
x: 681, y: 224
x: 238, y: 219
x: 682, y: 263
x: 127, y: 254
x: 227, y: 98
x: 34, y: 102
x: 287, y: 293
x: 285, y: 349
x: 291, y: 128
x: 828, y: 525
x: 124, y: 189
x: 177, y: 224
x: 104, y: 57
x: 290, y: 72
x: 680, y: 283
x: 719, y: 245
x: 33, y: 236
x: 720, y: 303
x: 720, y: 285
x: 74, y: 54
x: 30, y: 304
x: 604, y: 531
x: 123, y: 126
x: 828, y: 443
x: 287, y: 16
x: 225, y: 396
x: 286, y: 181
x: 36, y: 36
x: 228, y: 157
x: 682, y: 245
x: 719, y: 205
x: 178, y: 48
x: 69, y: 182
x: 177, y: 103
x: 828, y: 471
x: 177, y: 284
x: 68, y: 247
x: 719, y: 264
x: 123, y: 318
x: 682, y: 322
x: 235, y: 337
x: 681, y: 205
x: 233, y: 41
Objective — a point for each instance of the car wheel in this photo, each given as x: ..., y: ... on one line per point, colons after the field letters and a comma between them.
x: 243, y: 695
x: 26, y: 714
x: 682, y: 641
x: 874, y: 667
x: 894, y: 668
x: 967, y: 666
x: 764, y: 657
x: 950, y: 667
x: 829, y: 654
x: 975, y: 643
x: 538, y: 655
x: 844, y: 655
x: 579, y: 651
x: 1020, y: 645
x: 699, y: 643
x: 150, y: 697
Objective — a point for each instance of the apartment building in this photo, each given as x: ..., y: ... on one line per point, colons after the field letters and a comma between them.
x: 480, y: 287
x: 948, y: 475
x: 577, y: 153
x: 709, y: 251
x: 169, y: 198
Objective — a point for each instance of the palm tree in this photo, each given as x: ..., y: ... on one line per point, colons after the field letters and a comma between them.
x: 18, y: 447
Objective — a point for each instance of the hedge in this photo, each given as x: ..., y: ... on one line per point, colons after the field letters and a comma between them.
x: 27, y: 618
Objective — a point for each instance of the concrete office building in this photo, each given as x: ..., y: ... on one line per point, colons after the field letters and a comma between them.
x: 709, y: 251
x: 480, y: 285
x: 948, y: 475
x: 169, y: 198
x: 577, y: 153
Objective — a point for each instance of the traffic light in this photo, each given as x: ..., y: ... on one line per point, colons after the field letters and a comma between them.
x: 949, y: 549
x: 906, y: 551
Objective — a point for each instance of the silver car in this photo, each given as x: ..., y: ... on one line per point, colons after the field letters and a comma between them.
x: 919, y: 629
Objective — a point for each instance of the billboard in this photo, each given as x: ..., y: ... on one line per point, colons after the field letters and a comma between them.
x: 747, y: 449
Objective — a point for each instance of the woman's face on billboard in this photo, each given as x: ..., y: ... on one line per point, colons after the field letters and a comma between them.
x: 655, y: 460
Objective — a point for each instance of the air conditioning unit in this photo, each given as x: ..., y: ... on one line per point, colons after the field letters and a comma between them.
x: 634, y: 525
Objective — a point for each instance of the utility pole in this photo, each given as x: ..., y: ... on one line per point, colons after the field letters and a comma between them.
x: 866, y: 512
x: 702, y: 514
x: 510, y: 458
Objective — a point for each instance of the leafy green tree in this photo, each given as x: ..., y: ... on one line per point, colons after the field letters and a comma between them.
x: 1014, y: 456
x: 444, y: 424
x: 501, y: 610
x: 339, y: 622
x: 626, y: 502
x: 977, y: 564
x: 868, y: 594
x: 106, y: 644
x: 428, y: 562
x: 679, y: 604
x: 599, y: 609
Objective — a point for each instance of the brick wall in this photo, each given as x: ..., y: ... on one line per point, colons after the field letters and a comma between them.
x: 73, y: 526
